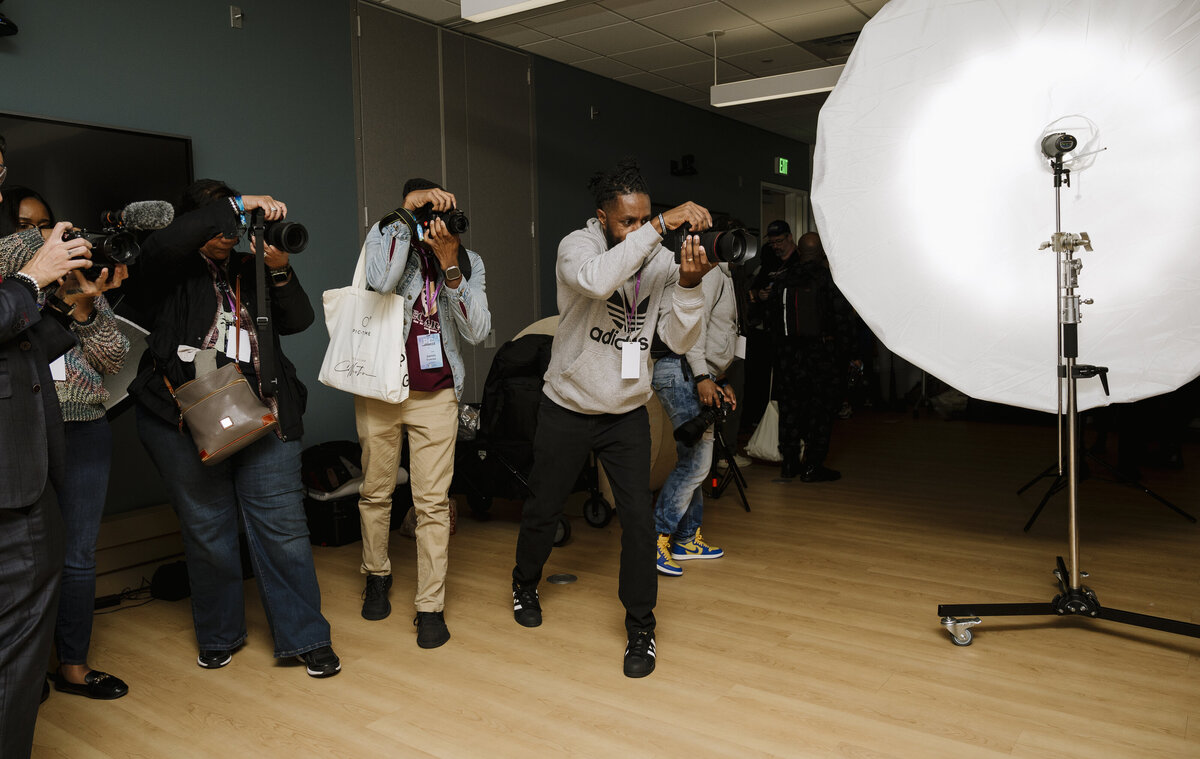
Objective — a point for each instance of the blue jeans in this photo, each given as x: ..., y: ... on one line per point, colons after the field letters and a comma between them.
x: 81, y: 498
x: 261, y: 481
x: 680, y: 507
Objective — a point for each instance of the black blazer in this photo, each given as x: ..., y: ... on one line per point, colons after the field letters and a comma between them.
x: 32, y: 443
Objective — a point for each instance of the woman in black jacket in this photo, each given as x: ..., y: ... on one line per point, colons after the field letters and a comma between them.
x: 197, y: 295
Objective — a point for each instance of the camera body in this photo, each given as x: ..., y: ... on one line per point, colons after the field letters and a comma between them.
x: 110, y: 247
x: 455, y: 220
x: 690, y: 431
x: 732, y: 245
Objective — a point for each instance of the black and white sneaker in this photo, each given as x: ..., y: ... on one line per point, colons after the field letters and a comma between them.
x: 214, y: 658
x: 639, y: 654
x: 527, y: 610
x: 322, y: 662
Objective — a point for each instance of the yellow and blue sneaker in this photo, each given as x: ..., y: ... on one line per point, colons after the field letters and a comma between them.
x: 695, y: 548
x: 666, y: 564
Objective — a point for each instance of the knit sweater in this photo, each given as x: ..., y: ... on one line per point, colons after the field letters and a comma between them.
x: 100, y: 348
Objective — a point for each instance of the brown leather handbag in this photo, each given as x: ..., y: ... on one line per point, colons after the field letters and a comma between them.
x: 220, y: 409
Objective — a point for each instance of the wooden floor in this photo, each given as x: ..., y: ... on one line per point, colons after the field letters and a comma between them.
x: 816, y: 636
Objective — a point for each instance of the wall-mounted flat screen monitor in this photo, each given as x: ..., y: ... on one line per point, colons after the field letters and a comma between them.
x: 85, y: 170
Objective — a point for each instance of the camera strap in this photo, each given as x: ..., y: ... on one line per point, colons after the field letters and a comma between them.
x: 262, y: 321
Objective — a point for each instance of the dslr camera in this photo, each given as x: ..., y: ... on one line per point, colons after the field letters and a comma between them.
x: 455, y: 220
x: 690, y: 431
x: 110, y: 246
x: 732, y: 245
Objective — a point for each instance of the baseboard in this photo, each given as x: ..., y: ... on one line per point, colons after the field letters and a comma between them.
x: 131, y: 545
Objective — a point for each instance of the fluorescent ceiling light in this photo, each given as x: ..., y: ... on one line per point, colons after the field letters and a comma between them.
x: 773, y: 87
x: 485, y: 10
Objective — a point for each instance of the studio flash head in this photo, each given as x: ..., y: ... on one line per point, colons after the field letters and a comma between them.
x: 1055, y: 145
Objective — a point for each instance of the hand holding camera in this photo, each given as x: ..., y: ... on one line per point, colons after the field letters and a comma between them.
x: 59, y: 256
x: 711, y: 394
x: 79, y: 291
x: 693, y: 261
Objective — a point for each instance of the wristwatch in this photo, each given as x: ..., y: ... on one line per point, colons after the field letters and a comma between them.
x: 453, y: 273
x: 701, y: 377
x: 280, y: 276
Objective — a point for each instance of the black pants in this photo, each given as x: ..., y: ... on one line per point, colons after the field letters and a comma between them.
x: 561, y: 445
x: 810, y: 384
x: 31, y: 562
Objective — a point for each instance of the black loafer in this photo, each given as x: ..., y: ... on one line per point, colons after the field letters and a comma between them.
x: 97, y: 684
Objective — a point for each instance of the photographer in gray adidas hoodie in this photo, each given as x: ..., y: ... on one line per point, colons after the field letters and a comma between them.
x: 617, y: 287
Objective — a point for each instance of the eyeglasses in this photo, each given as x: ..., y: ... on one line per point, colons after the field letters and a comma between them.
x: 24, y: 225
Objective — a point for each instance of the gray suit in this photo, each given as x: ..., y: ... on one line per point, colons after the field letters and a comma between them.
x: 32, y: 457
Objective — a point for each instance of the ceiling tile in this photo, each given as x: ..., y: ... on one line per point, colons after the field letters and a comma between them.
x: 618, y: 38
x: 700, y: 75
x: 662, y: 56
x: 558, y: 50
x: 577, y: 19
x: 769, y: 10
x: 697, y: 20
x: 513, y: 34
x: 606, y: 67
x: 685, y: 94
x: 812, y: 26
x: 646, y: 81
x: 643, y: 8
x: 734, y: 41
x: 777, y: 60
x: 870, y: 7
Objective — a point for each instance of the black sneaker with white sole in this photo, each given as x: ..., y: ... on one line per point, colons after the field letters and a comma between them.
x: 639, y: 654
x: 322, y: 662
x: 214, y: 658
x: 527, y: 610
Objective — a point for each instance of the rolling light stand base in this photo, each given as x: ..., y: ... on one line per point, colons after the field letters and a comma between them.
x: 958, y: 619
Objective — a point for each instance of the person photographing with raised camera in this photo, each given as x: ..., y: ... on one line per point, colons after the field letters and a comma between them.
x: 617, y: 288
x: 415, y: 251
x: 197, y: 291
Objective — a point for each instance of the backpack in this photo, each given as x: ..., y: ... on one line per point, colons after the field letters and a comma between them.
x: 328, y: 466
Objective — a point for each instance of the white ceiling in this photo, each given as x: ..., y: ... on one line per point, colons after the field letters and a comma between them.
x: 663, y: 45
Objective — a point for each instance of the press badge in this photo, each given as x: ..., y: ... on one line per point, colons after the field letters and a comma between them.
x: 239, y: 340
x: 631, y: 359
x: 739, y: 347
x: 429, y: 350
x: 58, y: 369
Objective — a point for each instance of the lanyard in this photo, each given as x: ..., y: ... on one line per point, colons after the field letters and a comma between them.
x: 631, y: 308
x: 428, y: 292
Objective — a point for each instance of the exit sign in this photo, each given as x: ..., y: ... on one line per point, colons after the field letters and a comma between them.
x: 781, y: 166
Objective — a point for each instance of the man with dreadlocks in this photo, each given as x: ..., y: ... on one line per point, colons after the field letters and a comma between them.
x: 617, y: 287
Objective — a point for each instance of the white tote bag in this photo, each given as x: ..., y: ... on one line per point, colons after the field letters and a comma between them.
x: 366, y: 340
x: 764, y: 443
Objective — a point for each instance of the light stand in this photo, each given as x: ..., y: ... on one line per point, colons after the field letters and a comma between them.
x: 1055, y: 146
x: 1074, y: 598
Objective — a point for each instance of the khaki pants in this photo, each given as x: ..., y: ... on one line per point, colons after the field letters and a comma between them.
x: 431, y: 420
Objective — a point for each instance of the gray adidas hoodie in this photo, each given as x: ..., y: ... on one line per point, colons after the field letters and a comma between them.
x: 596, y: 284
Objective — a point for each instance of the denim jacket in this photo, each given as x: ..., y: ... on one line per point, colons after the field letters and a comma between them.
x: 467, y: 304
